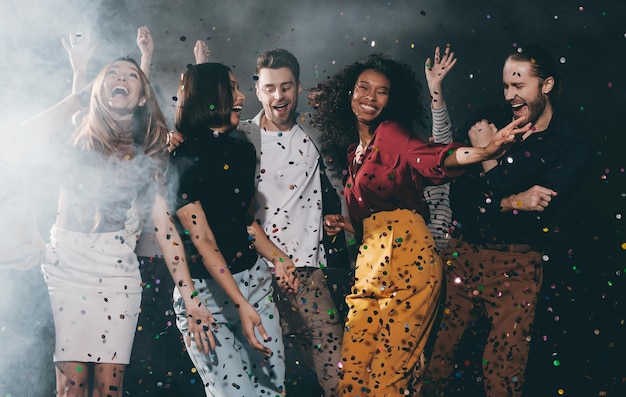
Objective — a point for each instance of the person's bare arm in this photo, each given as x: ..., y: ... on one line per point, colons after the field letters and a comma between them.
x: 436, y: 70
x: 199, y: 317
x: 79, y: 50
x: 284, y: 268
x: 193, y: 219
x: 146, y: 47
x: 502, y: 140
x: 56, y: 115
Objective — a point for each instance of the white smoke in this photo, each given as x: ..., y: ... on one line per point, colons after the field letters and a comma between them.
x: 324, y: 35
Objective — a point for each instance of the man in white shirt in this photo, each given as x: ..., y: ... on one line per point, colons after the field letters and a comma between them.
x: 289, y: 208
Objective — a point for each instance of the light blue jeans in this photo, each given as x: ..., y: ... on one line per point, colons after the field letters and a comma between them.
x: 237, y: 369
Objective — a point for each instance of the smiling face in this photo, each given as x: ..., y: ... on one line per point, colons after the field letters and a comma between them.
x: 122, y: 89
x: 526, y: 93
x: 238, y: 99
x: 278, y: 91
x: 370, y: 96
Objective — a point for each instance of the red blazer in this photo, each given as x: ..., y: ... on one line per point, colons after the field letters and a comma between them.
x: 393, y: 171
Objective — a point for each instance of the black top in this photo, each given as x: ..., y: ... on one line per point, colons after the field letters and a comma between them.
x: 218, y: 171
x: 556, y: 158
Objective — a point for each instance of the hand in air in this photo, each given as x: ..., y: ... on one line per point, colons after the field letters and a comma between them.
x: 201, y: 52
x: 437, y: 70
x: 145, y: 42
x: 505, y: 137
x: 79, y: 49
x: 481, y: 133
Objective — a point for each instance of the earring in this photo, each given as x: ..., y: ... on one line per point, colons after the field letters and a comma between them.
x: 350, y: 93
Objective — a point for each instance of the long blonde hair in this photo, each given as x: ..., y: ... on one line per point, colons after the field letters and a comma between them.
x: 100, y: 132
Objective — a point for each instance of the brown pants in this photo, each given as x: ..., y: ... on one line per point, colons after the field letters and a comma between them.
x: 502, y: 285
x: 393, y: 305
x: 311, y: 323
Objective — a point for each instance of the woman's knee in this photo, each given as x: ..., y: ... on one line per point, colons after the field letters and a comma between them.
x: 108, y: 380
x: 72, y: 379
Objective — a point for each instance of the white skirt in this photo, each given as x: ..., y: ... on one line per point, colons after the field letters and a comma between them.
x: 95, y: 290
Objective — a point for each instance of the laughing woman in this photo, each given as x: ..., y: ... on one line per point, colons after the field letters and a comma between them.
x: 373, y: 106
x: 112, y: 181
x: 214, y: 195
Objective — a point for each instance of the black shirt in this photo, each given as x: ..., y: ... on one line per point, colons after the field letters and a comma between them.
x: 218, y: 171
x: 556, y: 158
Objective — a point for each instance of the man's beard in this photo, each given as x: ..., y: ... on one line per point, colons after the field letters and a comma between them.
x: 536, y: 108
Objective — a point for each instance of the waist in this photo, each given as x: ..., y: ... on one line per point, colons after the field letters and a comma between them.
x: 517, y: 248
x: 502, y: 246
x: 237, y: 264
x: 382, y: 221
x: 147, y: 246
x: 362, y: 205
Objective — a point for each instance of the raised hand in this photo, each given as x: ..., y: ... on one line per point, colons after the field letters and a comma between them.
x: 505, y: 137
x: 146, y: 47
x: 79, y: 49
x: 481, y: 133
x: 145, y: 42
x: 437, y: 70
x: 201, y: 52
x: 313, y: 98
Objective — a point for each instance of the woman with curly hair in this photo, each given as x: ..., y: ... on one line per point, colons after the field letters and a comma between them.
x: 373, y: 106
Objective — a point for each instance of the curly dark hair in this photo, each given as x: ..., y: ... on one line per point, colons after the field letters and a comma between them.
x: 335, y: 118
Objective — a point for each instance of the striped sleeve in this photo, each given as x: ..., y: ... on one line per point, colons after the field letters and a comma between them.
x: 437, y: 197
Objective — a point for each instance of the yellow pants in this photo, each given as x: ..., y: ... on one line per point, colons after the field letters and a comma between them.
x: 393, y: 305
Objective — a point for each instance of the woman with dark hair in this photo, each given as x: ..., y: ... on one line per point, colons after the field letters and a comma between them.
x: 223, y: 243
x: 393, y: 305
x: 115, y: 180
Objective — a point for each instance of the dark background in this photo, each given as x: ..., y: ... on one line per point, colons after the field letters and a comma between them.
x: 578, y: 343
